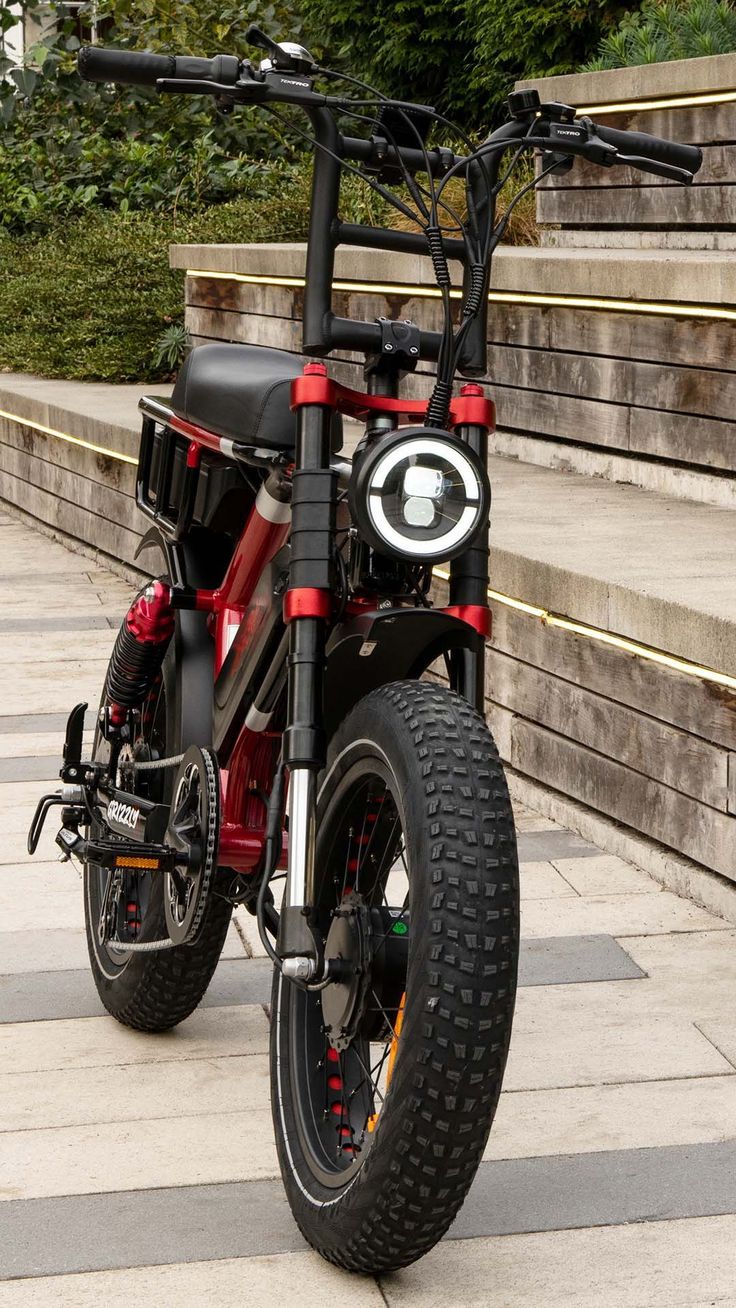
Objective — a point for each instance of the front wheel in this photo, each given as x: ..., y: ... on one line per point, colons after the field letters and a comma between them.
x: 385, y: 1084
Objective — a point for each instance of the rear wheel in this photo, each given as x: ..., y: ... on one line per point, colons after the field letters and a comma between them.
x: 385, y: 1084
x: 150, y: 991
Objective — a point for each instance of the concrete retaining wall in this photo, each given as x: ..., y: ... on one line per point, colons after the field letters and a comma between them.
x: 68, y: 455
x: 591, y: 369
x: 572, y: 704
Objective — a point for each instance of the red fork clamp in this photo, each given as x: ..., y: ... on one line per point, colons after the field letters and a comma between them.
x: 307, y: 602
x: 470, y: 408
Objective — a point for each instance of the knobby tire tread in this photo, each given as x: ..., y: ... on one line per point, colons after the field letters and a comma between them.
x: 171, y: 983
x: 457, y: 1026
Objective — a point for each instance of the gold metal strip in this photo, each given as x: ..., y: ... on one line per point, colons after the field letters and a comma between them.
x: 551, y: 619
x: 665, y: 102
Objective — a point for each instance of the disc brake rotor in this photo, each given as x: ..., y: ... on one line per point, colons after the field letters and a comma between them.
x: 193, y: 830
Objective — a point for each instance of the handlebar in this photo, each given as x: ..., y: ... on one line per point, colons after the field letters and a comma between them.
x: 226, y: 76
x: 287, y: 77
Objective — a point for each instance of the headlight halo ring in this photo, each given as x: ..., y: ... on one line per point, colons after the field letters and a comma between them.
x: 420, y: 494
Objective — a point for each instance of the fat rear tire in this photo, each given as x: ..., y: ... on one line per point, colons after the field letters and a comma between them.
x: 157, y: 990
x: 460, y: 987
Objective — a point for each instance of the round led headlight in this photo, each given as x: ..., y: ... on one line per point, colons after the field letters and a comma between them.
x: 420, y: 494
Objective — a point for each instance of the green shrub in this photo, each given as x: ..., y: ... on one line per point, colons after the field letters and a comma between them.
x: 90, y: 298
x: 67, y: 147
x: 461, y: 55
x: 675, y: 29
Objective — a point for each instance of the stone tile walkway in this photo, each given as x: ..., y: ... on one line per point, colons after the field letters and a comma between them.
x: 139, y: 1167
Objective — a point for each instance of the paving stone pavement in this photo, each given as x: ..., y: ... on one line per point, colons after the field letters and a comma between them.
x: 143, y: 1167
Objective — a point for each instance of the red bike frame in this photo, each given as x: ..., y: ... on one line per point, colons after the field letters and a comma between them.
x: 236, y: 611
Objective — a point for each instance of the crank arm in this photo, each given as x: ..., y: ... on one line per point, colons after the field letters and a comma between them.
x: 133, y: 817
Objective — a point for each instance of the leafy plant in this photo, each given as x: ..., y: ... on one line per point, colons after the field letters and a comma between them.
x: 67, y: 147
x: 522, y: 227
x: 172, y: 347
x: 669, y: 29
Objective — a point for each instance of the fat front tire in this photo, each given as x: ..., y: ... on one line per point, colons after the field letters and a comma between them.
x: 384, y: 1092
x: 153, y: 991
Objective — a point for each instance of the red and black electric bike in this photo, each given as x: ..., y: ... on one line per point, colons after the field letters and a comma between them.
x: 266, y: 711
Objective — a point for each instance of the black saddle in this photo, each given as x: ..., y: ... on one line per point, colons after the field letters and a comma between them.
x: 241, y: 392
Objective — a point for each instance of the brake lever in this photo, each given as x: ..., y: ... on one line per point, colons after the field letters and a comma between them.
x: 670, y: 171
x: 198, y: 86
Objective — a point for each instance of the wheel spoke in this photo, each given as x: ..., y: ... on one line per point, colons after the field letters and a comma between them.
x: 382, y: 861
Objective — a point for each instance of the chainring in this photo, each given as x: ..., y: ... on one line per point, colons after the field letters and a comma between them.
x: 194, y: 831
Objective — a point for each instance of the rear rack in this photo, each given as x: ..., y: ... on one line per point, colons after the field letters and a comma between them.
x: 173, y: 455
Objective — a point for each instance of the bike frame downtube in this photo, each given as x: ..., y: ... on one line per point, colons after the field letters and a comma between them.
x: 307, y: 608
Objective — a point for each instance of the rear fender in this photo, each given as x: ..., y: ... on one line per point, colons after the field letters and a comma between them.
x: 186, y: 563
x: 374, y: 648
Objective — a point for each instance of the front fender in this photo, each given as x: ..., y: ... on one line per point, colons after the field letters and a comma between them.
x: 374, y: 648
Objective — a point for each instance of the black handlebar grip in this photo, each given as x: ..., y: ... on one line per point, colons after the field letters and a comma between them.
x: 134, y: 68
x: 129, y: 67
x: 689, y: 157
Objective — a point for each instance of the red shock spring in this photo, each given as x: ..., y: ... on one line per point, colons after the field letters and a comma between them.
x: 139, y: 650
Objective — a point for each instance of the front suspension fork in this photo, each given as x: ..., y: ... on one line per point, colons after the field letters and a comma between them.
x: 469, y: 591
x: 307, y: 609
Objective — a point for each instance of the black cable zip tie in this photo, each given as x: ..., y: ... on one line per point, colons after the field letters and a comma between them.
x: 438, y: 256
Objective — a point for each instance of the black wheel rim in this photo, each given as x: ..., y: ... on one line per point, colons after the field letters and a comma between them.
x: 339, y: 1093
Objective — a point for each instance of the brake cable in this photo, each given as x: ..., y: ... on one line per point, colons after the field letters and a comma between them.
x: 478, y: 250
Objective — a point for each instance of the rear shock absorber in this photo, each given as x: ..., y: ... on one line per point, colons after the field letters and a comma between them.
x: 139, y: 651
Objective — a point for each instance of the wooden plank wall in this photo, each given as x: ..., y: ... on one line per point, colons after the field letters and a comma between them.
x: 649, y: 387
x: 87, y: 495
x: 651, y: 747
x: 592, y: 197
